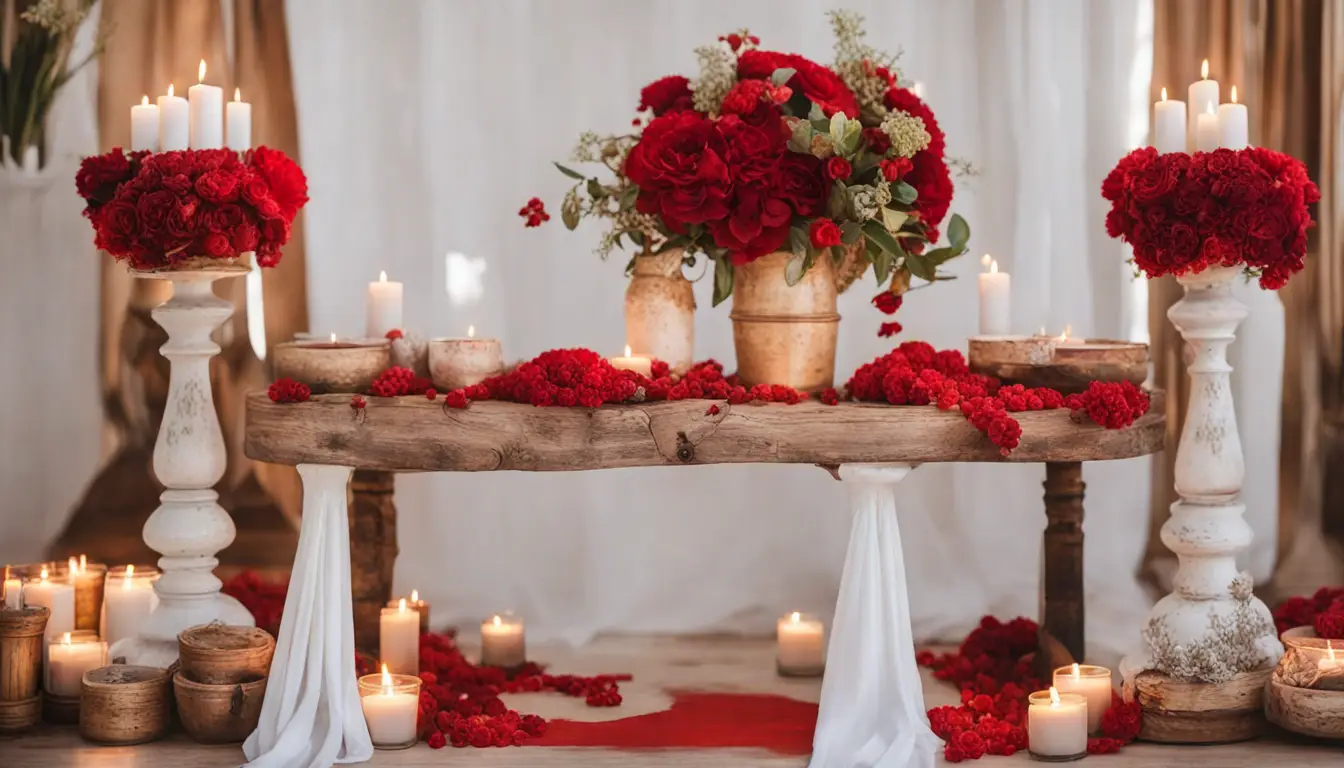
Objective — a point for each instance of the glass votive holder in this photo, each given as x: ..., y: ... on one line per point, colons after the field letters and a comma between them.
x: 50, y: 588
x: 1093, y: 683
x: 87, y: 579
x: 800, y: 646
x: 69, y: 656
x: 1057, y: 726
x: 502, y: 641
x: 1310, y: 661
x: 128, y: 599
x: 391, y: 704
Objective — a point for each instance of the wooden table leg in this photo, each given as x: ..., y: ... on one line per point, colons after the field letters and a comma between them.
x: 1062, y: 608
x: 373, y: 554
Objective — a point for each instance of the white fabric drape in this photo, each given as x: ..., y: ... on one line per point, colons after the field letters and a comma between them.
x: 426, y: 125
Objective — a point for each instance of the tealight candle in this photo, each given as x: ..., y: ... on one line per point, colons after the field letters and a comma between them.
x: 399, y: 639
x: 502, y: 642
x: 1067, y: 339
x: 800, y: 644
x: 642, y: 365
x: 1057, y: 725
x: 69, y: 658
x: 1093, y: 683
x: 461, y: 362
x: 331, y: 365
x: 384, y: 309
x: 995, y: 299
x: 56, y: 596
x: 420, y: 606
x: 128, y: 599
x: 88, y: 580
x: 391, y: 704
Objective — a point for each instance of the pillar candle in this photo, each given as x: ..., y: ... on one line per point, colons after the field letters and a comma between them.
x: 1169, y: 131
x: 1202, y: 97
x: 391, y: 705
x: 1206, y: 131
x: 642, y: 365
x: 1093, y: 683
x: 174, y: 122
x: 88, y: 579
x: 455, y: 363
x: 207, y: 113
x: 502, y: 642
x: 800, y: 643
x: 416, y: 604
x: 57, y: 597
x: 399, y: 639
x: 995, y: 300
x: 1057, y: 724
x: 1233, y: 131
x: 69, y: 657
x: 13, y: 592
x: 384, y: 311
x: 238, y: 117
x: 145, y: 126
x: 128, y: 599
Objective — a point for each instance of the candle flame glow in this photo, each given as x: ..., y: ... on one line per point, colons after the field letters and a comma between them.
x: 1209, y: 110
x: 1054, y: 697
x: 65, y: 639
x: 627, y: 350
x: 1204, y: 70
x: 471, y: 331
x: 496, y: 621
x: 795, y: 617
x: 401, y: 605
x: 144, y: 100
x: 237, y: 94
x: 1164, y: 94
x: 43, y: 577
x: 200, y: 72
x: 382, y: 276
x: 387, y: 682
x: 126, y: 580
x: 73, y: 564
x: 990, y: 263
x: 415, y: 596
x: 1075, y: 671
x: 1065, y: 337
x: 83, y: 563
x: 1330, y: 649
x: 1234, y: 94
x: 170, y: 90
x: 333, y: 338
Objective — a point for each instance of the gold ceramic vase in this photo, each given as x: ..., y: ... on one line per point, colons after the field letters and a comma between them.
x: 660, y: 310
x: 785, y: 334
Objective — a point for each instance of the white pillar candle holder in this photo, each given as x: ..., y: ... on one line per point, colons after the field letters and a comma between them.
x: 1211, y: 628
x: 189, y: 527
x: 462, y: 362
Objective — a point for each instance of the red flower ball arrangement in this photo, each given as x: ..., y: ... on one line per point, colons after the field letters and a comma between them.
x: 156, y: 211
x: 1323, y: 611
x: 766, y: 151
x: 1184, y: 213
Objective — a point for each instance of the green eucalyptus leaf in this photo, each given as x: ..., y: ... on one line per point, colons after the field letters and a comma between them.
x: 921, y: 266
x: 850, y: 232
x: 799, y: 242
x: 879, y: 235
x: 849, y: 142
x: 570, y: 172
x: 596, y: 190
x: 570, y: 217
x: 893, y: 220
x: 781, y: 76
x: 882, y: 262
x: 628, y: 197
x: 903, y: 193
x: 817, y: 116
x: 958, y: 232
x: 723, y: 280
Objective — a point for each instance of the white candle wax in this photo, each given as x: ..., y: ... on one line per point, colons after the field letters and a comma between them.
x: 145, y: 126
x: 1169, y: 131
x: 13, y: 594
x: 502, y: 642
x: 639, y: 364
x: 800, y: 645
x: 1092, y: 683
x: 390, y: 711
x: 1206, y: 131
x: 995, y: 300
x: 128, y: 599
x: 1233, y: 124
x: 57, y: 597
x: 416, y: 604
x: 384, y: 311
x: 68, y: 659
x: 174, y: 122
x: 207, y: 113
x: 399, y: 639
x: 238, y: 118
x: 1201, y: 97
x: 1057, y: 724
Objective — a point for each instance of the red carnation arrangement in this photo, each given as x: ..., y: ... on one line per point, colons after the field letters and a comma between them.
x: 1323, y: 611
x: 155, y: 211
x: 1185, y: 213
x: 768, y: 151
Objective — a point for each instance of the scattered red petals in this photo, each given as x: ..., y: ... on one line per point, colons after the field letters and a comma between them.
x: 713, y: 410
x: 829, y: 396
x: 288, y: 391
x: 393, y: 334
x: 534, y: 212
x: 887, y: 330
x: 358, y: 402
x: 1103, y: 746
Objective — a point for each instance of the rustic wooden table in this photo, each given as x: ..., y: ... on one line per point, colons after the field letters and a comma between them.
x: 413, y: 434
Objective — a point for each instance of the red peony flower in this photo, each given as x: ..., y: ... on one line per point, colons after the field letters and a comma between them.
x: 680, y: 169
x: 668, y: 94
x: 820, y: 85
x: 824, y: 233
x: 838, y: 169
x: 887, y: 302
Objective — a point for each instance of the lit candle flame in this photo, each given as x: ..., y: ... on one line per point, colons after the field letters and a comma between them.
x: 471, y: 331
x: 126, y: 580
x: 43, y: 577
x: 333, y: 338
x: 200, y: 72
x: 401, y: 605
x: 1054, y: 697
x: 1065, y: 337
x: 387, y: 682
x: 1234, y: 94
x: 382, y: 276
x: 237, y: 94
x: 65, y: 639
x: 1164, y: 94
x: 1075, y: 671
x: 627, y: 350
x: 496, y: 621
x: 144, y: 100
x: 795, y: 617
x: 415, y: 596
x: 1209, y: 109
x: 1330, y: 649
x: 170, y: 90
x: 73, y: 565
x: 991, y: 264
x: 83, y: 563
x: 1204, y: 70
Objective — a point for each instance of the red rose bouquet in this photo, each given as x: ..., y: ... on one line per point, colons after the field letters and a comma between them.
x: 157, y: 210
x: 768, y: 151
x: 1184, y: 213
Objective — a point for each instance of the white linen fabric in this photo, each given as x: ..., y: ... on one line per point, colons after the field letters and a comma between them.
x: 871, y: 713
x: 311, y: 715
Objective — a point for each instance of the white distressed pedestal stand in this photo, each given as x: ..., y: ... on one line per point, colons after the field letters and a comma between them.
x: 311, y: 716
x: 189, y: 527
x: 872, y: 702
x: 1211, y: 642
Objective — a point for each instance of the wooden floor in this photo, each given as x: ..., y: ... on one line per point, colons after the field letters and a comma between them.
x: 716, y: 663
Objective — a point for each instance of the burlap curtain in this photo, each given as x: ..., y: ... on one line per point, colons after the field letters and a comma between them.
x: 154, y: 43
x: 1285, y: 57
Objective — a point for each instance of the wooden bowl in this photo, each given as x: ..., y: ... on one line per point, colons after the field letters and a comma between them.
x: 124, y: 704
x: 1042, y: 361
x: 1307, y: 711
x: 217, y: 654
x: 218, y: 714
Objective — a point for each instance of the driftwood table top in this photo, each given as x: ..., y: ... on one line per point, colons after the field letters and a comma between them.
x: 415, y: 434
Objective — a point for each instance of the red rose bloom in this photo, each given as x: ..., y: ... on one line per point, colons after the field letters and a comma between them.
x: 824, y: 233
x: 895, y: 168
x: 680, y: 169
x: 668, y: 94
x: 216, y: 187
x: 799, y: 181
x: 100, y: 175
x: 928, y: 174
x: 838, y: 169
x: 820, y: 85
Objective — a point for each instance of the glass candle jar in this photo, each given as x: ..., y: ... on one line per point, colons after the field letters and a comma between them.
x: 128, y: 599
x: 69, y: 656
x: 1057, y: 726
x: 800, y: 646
x: 502, y: 641
x: 1094, y: 683
x: 50, y: 588
x: 87, y: 579
x: 391, y: 704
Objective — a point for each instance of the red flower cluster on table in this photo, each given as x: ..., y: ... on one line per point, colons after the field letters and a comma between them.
x: 265, y: 600
x: 1323, y: 611
x: 394, y: 334
x: 288, y: 391
x: 993, y: 671
x: 157, y: 210
x: 534, y: 212
x: 916, y: 374
x: 397, y: 381
x: 1185, y: 213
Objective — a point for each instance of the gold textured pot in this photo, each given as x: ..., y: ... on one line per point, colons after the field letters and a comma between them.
x: 785, y: 334
x: 660, y: 310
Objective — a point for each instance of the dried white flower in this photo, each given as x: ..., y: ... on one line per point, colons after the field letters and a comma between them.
x: 857, y: 64
x: 54, y: 16
x: 864, y: 201
x: 718, y: 75
x: 907, y: 133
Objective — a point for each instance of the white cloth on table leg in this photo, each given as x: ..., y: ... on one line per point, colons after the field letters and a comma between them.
x: 311, y: 716
x: 872, y: 703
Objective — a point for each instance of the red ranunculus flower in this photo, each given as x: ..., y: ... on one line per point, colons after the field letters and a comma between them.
x: 838, y: 169
x: 820, y: 85
x: 824, y: 233
x: 680, y: 169
x: 667, y: 94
